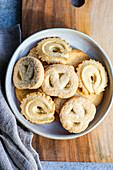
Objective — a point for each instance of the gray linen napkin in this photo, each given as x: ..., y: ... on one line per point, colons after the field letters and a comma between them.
x: 16, y: 151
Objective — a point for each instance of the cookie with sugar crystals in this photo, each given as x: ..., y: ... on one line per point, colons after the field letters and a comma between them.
x: 76, y: 114
x: 60, y: 80
x: 33, y: 53
x: 28, y: 73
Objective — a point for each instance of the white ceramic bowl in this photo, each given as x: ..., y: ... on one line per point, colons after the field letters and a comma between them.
x: 77, y: 40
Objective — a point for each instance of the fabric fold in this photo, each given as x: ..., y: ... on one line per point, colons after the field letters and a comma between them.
x: 15, y: 142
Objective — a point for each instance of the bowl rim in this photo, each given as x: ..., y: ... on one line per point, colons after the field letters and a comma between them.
x: 46, y: 135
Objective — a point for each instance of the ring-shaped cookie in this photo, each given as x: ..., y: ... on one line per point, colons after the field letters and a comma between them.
x: 53, y: 50
x: 38, y: 108
x: 92, y: 77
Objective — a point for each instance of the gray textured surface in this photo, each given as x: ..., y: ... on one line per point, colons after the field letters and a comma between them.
x: 10, y: 13
x: 76, y: 166
x: 16, y: 151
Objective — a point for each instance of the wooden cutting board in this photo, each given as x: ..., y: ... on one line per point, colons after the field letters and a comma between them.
x: 95, y: 19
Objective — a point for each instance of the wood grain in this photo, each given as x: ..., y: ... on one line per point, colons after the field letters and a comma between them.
x: 95, y: 19
x: 42, y: 14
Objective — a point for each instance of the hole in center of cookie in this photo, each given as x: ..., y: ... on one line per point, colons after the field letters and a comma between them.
x: 50, y: 83
x: 80, y: 89
x: 61, y: 74
x: 38, y: 107
x: 93, y: 78
x: 56, y: 50
x: 77, y: 123
x: 40, y: 110
x: 72, y: 110
x: 19, y: 76
x: 85, y: 112
x: 26, y: 67
x: 32, y: 75
x: 67, y: 85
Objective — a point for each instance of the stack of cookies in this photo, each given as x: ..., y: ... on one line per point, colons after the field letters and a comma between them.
x: 54, y: 78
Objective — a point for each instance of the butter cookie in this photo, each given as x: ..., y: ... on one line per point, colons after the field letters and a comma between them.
x: 21, y: 93
x: 60, y: 80
x: 53, y: 50
x: 76, y: 57
x: 60, y: 101
x: 76, y: 114
x: 92, y: 77
x: 94, y: 98
x: 38, y: 108
x: 28, y: 73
